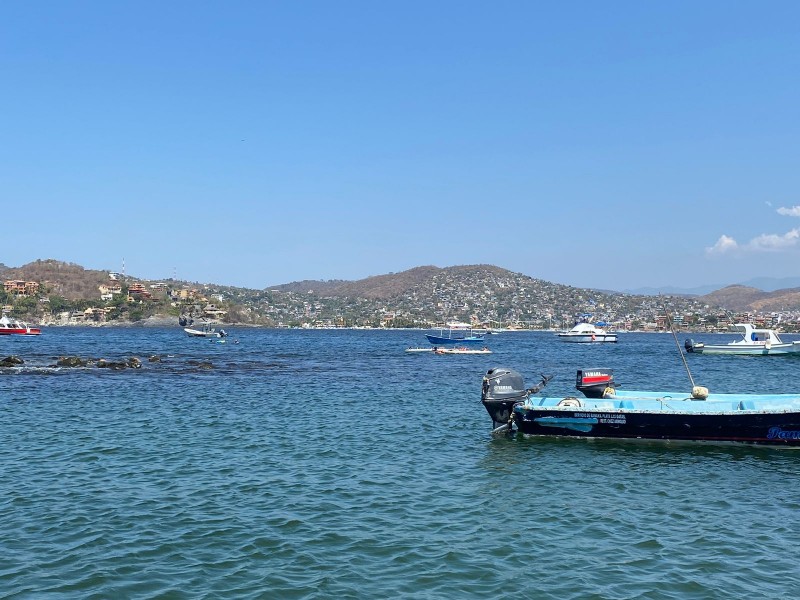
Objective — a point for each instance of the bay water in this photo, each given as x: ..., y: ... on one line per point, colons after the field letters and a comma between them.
x: 331, y: 463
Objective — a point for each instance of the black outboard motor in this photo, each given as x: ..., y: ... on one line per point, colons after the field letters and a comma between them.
x: 502, y: 388
x: 592, y: 383
x: 689, y: 345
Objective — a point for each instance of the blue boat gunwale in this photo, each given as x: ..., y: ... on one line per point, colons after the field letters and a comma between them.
x: 668, y: 403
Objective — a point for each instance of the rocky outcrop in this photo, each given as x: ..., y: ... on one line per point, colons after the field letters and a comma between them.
x: 118, y: 365
x: 201, y: 364
x: 11, y: 361
x: 71, y: 361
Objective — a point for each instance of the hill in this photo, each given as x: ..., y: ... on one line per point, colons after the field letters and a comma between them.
x: 308, y: 285
x: 416, y: 297
x: 767, y: 284
x: 65, y: 279
x: 386, y: 287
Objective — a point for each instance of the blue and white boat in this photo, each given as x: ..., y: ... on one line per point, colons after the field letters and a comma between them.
x: 604, y: 412
x: 455, y: 334
x: 754, y: 342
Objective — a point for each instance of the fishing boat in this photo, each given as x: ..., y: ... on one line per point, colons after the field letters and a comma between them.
x: 455, y: 334
x: 587, y: 333
x: 10, y: 326
x: 205, y: 331
x: 605, y: 412
x: 755, y: 341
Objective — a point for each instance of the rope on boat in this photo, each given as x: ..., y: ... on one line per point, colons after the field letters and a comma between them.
x: 698, y: 392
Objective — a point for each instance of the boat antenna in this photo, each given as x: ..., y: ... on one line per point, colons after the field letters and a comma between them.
x: 677, y: 344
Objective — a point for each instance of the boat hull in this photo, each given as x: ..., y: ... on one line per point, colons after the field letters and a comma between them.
x: 200, y: 333
x: 587, y: 339
x: 21, y: 331
x: 776, y: 428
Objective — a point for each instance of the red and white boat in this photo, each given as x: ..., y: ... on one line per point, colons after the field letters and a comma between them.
x: 12, y: 327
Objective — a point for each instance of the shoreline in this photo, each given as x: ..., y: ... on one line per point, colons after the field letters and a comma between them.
x: 169, y: 322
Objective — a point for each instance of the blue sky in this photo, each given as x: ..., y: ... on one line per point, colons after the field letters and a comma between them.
x: 612, y: 145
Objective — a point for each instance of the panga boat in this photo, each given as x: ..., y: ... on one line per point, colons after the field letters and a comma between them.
x: 754, y: 342
x: 605, y: 412
x: 14, y: 327
x: 587, y: 333
x: 455, y: 334
x: 205, y: 331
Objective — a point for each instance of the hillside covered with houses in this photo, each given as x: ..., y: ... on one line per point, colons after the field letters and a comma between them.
x: 51, y: 292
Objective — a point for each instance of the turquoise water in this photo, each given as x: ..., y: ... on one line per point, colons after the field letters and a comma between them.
x: 314, y: 464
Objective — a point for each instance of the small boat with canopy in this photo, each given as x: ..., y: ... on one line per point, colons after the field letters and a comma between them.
x: 755, y: 342
x: 455, y: 334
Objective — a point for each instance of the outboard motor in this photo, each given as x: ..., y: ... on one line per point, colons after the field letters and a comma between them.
x: 689, y: 345
x: 502, y: 388
x: 592, y: 383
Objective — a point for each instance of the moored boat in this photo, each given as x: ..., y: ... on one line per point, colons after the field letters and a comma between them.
x: 455, y: 334
x: 770, y: 419
x: 754, y: 342
x: 10, y: 326
x: 586, y: 333
x: 205, y: 331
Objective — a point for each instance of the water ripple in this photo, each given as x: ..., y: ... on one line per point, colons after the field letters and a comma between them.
x: 319, y: 464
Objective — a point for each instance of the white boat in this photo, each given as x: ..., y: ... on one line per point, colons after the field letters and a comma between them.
x: 206, y: 331
x: 14, y: 327
x: 587, y: 333
x: 755, y: 341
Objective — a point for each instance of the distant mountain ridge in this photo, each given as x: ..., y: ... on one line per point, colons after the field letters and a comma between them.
x: 741, y: 298
x: 767, y: 284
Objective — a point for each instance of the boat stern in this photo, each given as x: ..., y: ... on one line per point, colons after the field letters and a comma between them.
x: 693, y: 347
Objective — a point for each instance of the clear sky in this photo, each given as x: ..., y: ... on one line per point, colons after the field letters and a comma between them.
x: 598, y: 144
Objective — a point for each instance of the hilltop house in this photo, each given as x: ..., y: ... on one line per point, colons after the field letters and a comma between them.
x: 213, y: 312
x: 137, y: 291
x: 21, y: 288
x: 108, y: 290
